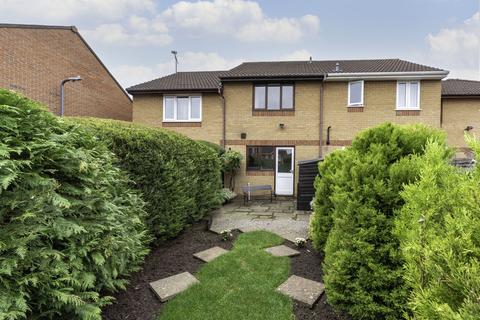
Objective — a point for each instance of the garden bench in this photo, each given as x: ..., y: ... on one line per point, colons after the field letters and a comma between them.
x: 248, y: 189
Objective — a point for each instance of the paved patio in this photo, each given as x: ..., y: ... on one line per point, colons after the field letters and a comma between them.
x: 279, y: 217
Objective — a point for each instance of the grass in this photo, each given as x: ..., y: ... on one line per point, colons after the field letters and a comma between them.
x: 238, y: 285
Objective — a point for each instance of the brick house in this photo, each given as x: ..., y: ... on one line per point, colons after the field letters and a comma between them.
x: 34, y: 59
x: 279, y: 113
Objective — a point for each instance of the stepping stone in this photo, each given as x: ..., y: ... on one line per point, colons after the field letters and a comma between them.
x: 301, y: 289
x: 282, y: 251
x: 169, y: 287
x: 210, y: 254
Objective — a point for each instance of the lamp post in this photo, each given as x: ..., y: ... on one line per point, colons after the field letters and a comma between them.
x: 62, y: 92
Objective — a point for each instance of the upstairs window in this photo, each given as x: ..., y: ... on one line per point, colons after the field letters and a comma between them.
x: 182, y: 108
x: 273, y: 97
x: 355, y: 94
x: 408, y: 95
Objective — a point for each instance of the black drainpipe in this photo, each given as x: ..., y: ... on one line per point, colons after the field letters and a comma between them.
x: 328, y: 135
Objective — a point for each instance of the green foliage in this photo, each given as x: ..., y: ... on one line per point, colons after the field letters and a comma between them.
x: 321, y: 223
x: 227, y: 195
x: 355, y: 208
x: 70, y: 225
x: 218, y: 148
x: 439, y: 232
x: 230, y: 164
x: 231, y: 161
x: 178, y: 177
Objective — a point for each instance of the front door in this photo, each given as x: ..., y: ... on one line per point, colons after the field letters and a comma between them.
x: 284, y: 171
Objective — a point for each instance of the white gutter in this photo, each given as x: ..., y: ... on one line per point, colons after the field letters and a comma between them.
x: 437, y: 75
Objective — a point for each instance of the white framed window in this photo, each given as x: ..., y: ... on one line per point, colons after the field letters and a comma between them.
x: 408, y: 95
x: 355, y: 93
x: 182, y: 108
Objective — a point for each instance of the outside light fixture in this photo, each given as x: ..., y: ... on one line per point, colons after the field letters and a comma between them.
x: 281, y: 125
x: 468, y: 128
x: 62, y: 92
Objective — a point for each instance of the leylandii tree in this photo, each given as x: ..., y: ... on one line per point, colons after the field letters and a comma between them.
x: 69, y: 224
x: 355, y: 216
x: 439, y: 231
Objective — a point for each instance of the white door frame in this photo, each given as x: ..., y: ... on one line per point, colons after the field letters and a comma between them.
x: 285, y: 182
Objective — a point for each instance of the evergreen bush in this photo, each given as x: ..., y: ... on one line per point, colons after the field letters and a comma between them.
x: 439, y: 232
x: 178, y: 177
x: 363, y: 263
x: 70, y: 226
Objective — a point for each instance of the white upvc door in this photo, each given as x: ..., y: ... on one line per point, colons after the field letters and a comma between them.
x: 284, y: 166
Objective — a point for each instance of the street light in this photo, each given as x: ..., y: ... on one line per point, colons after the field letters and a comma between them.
x: 62, y: 92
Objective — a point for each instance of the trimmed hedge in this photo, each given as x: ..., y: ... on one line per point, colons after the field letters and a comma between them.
x: 439, y: 231
x: 70, y: 224
x: 178, y: 177
x: 356, y: 202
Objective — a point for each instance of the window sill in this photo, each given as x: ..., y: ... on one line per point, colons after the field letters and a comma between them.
x: 409, y: 112
x: 170, y: 124
x: 408, y: 109
x: 272, y: 113
x: 355, y: 109
x: 260, y: 173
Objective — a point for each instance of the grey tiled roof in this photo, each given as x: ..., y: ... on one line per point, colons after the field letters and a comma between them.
x: 319, y: 68
x: 458, y: 87
x: 210, y: 80
x: 196, y: 80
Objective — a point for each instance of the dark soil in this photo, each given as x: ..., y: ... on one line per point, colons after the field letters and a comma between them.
x: 307, y: 265
x: 138, y: 302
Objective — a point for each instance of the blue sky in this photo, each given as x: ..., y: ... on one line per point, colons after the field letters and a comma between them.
x: 134, y: 37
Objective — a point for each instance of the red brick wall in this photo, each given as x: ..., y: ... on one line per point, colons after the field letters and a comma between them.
x: 33, y: 61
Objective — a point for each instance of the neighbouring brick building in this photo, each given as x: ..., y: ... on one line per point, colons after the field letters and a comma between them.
x: 34, y: 59
x: 279, y: 113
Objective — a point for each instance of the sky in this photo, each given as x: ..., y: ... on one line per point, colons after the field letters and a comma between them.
x: 134, y: 38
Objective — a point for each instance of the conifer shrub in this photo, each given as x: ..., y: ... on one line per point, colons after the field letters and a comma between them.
x: 354, y: 218
x: 321, y: 224
x: 439, y: 232
x: 70, y: 225
x: 178, y: 177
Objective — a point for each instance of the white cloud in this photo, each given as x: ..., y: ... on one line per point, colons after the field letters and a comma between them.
x: 240, y: 19
x: 458, y: 48
x: 61, y: 11
x: 129, y: 75
x: 198, y: 61
x: 142, y: 34
x: 298, y: 55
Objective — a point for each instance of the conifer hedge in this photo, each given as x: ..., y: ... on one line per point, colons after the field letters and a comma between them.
x: 439, y: 232
x: 357, y: 200
x: 70, y: 225
x: 180, y: 178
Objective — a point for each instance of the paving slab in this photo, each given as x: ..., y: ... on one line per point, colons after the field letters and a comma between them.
x: 210, y: 254
x: 282, y: 251
x: 169, y: 287
x: 236, y: 216
x: 301, y: 289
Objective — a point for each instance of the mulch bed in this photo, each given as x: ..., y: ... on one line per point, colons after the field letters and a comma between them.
x: 307, y: 265
x: 175, y: 256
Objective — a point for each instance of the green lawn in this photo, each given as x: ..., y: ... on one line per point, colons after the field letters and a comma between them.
x: 238, y: 285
